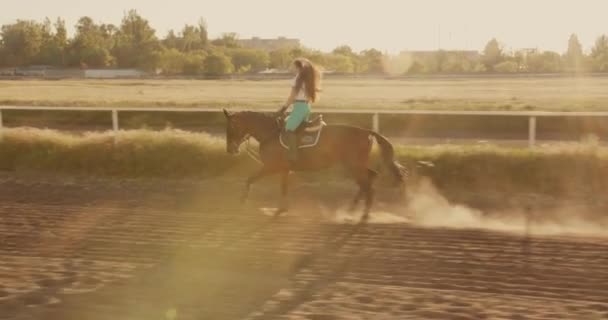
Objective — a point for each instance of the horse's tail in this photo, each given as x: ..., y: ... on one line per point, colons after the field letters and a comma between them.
x: 388, y: 156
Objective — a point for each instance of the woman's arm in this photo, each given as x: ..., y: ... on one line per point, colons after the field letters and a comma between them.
x: 292, y: 97
x: 290, y: 101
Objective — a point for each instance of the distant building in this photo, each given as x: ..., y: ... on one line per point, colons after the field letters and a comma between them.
x: 113, y: 73
x: 528, y: 50
x: 469, y: 54
x: 274, y: 71
x: 7, y: 72
x: 269, y: 44
x: 32, y: 71
x: 65, y: 73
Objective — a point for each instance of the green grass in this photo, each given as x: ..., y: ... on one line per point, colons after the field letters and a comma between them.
x: 171, y: 153
x: 561, y: 170
x: 573, y: 169
x: 541, y: 93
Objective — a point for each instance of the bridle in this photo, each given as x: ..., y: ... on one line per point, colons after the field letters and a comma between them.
x: 240, y: 142
x: 251, y: 152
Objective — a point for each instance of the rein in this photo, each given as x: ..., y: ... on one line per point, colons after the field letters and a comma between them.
x: 251, y: 152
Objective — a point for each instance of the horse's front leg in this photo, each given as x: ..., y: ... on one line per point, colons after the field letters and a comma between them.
x: 264, y: 171
x: 283, y: 206
x: 355, y: 202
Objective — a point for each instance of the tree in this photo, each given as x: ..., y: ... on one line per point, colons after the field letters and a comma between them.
x: 228, y: 40
x: 545, y: 62
x: 399, y: 64
x: 430, y: 62
x: 455, y: 62
x: 281, y: 58
x: 359, y: 65
x: 61, y: 38
x: 373, y: 61
x: 506, y: 67
x: 574, y: 56
x: 54, y: 45
x: 552, y: 62
x: 202, y: 32
x: 136, y: 43
x: 249, y: 60
x: 340, y: 63
x: 316, y: 57
x: 344, y: 50
x: 195, y: 62
x: 194, y: 37
x: 416, y: 68
x: 519, y: 57
x: 217, y: 64
x: 91, y: 45
x: 172, y: 41
x: 172, y: 61
x: 599, y: 54
x: 21, y: 42
x: 190, y: 39
x: 479, y: 68
x: 492, y: 54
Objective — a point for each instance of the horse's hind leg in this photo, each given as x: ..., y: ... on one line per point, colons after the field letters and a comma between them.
x: 283, y: 206
x: 360, y: 178
x: 365, y: 178
x: 369, y: 192
x: 355, y: 202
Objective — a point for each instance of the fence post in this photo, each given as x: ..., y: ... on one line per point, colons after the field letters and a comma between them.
x: 376, y: 122
x: 1, y: 125
x: 115, y: 121
x: 115, y: 124
x: 531, y: 131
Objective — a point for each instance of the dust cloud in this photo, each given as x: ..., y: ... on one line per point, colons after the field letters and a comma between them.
x: 426, y: 207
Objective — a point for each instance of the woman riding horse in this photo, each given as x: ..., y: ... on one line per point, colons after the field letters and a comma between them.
x: 304, y: 92
x: 346, y: 145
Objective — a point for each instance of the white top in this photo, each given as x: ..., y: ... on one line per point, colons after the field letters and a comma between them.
x: 301, y: 95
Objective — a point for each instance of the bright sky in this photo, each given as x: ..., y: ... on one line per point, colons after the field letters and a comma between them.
x: 391, y: 25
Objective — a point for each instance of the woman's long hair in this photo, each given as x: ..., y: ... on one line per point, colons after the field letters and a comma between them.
x: 309, y: 76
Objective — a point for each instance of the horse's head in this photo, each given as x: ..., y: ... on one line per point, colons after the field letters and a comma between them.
x: 236, y: 132
x: 242, y: 125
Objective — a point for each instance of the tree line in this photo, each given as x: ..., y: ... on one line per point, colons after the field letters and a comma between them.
x: 134, y: 44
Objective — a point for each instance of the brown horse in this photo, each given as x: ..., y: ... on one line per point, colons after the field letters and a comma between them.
x: 337, y: 144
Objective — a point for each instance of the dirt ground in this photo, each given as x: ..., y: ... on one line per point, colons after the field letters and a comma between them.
x: 81, y: 248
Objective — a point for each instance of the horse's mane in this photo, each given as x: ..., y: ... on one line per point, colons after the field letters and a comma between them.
x: 256, y: 115
x: 259, y: 119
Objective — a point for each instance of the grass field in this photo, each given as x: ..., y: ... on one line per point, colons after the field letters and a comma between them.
x: 577, y: 169
x: 179, y: 153
x: 534, y: 93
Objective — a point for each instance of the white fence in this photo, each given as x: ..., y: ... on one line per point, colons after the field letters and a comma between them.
x: 374, y: 114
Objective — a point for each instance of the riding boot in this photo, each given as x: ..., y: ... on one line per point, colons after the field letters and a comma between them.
x: 292, y: 143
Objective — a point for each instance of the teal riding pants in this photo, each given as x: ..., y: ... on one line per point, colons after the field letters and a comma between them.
x: 300, y: 112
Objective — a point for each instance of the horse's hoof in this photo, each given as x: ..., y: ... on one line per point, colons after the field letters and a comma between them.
x: 280, y: 211
x: 365, y: 217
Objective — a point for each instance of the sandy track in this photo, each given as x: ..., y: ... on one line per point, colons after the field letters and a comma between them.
x: 132, y: 250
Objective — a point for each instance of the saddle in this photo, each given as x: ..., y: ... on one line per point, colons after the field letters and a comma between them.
x: 308, y: 132
x: 313, y: 125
